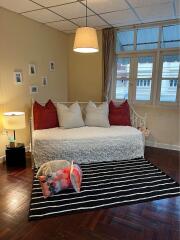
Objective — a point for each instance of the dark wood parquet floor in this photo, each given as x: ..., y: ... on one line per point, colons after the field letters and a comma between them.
x: 156, y: 220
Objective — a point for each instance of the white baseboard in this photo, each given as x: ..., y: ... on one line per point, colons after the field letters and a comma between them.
x: 3, y: 158
x: 27, y: 148
x: 162, y: 145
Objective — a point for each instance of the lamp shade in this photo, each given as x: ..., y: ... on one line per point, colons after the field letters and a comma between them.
x: 14, y: 120
x: 86, y: 40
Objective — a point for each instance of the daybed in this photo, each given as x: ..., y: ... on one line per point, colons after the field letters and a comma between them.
x: 89, y: 144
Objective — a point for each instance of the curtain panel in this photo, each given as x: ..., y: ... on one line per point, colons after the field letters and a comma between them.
x: 108, y: 46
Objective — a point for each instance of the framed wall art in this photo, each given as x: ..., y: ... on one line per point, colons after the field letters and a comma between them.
x: 51, y: 66
x: 17, y: 76
x: 32, y: 69
x: 44, y: 80
x: 34, y: 89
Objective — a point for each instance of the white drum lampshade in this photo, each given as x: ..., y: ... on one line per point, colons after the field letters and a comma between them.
x: 86, y: 40
x: 14, y: 121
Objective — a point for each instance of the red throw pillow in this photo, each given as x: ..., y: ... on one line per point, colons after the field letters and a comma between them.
x: 119, y: 115
x: 45, y: 116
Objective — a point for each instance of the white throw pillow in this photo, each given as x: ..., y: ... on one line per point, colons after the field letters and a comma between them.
x: 97, y: 116
x: 70, y: 117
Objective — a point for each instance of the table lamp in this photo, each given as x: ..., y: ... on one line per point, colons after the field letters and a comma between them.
x: 14, y: 121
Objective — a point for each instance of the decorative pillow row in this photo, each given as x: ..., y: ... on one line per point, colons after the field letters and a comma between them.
x: 71, y: 117
x: 66, y: 176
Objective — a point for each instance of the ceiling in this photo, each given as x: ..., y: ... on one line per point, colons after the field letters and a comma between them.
x: 67, y: 15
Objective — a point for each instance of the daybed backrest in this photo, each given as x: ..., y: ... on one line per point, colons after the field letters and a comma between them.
x: 136, y: 119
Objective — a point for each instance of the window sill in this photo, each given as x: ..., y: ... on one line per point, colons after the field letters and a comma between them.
x: 157, y: 105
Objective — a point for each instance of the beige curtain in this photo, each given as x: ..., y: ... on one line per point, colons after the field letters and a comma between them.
x: 108, y: 42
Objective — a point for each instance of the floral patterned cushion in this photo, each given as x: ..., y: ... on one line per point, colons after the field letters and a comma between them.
x: 55, y: 182
x: 76, y: 176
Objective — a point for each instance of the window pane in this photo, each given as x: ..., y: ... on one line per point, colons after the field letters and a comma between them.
x: 143, y: 90
x: 147, y: 38
x: 122, y: 87
x: 171, y: 66
x: 170, y: 36
x: 125, y: 41
x: 123, y: 67
x: 145, y: 67
x: 168, y: 90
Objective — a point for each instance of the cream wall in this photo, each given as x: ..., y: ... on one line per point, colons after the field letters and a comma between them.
x: 85, y: 83
x: 24, y: 41
x: 85, y: 74
x: 164, y: 123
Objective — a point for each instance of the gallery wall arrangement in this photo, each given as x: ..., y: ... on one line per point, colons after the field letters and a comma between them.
x: 32, y: 72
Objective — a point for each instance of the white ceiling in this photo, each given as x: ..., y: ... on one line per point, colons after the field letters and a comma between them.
x: 67, y: 15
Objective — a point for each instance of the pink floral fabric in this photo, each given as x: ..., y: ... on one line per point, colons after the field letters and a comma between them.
x: 64, y: 178
x: 55, y: 183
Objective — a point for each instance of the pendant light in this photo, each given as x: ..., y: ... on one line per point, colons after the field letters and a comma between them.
x: 86, y: 39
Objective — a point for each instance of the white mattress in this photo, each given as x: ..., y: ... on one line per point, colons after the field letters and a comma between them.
x: 87, y: 144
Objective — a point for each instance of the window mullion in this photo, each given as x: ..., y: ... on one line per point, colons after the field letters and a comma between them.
x: 159, y: 76
x: 178, y: 89
x: 113, y: 87
x: 157, y: 72
x: 133, y: 79
x: 135, y: 38
x: 155, y: 77
x: 175, y: 78
x: 160, y: 36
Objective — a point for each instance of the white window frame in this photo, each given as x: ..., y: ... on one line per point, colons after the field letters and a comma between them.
x: 157, y: 66
x: 164, y: 103
x: 113, y: 93
x: 135, y: 77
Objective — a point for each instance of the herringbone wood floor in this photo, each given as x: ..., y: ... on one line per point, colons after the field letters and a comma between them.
x: 157, y: 220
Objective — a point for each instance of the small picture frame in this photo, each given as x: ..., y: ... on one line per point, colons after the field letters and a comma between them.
x: 32, y: 69
x: 44, y: 80
x: 34, y: 89
x: 51, y: 66
x: 18, y: 78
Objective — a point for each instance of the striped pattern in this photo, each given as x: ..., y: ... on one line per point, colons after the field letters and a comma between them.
x: 106, y: 184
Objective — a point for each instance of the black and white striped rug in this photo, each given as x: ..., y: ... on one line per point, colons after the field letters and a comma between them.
x: 106, y: 184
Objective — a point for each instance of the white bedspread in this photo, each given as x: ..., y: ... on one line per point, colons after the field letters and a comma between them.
x: 87, y: 144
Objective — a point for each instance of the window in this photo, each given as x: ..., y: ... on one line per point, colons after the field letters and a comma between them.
x: 173, y: 83
x: 144, y: 78
x: 147, y: 38
x: 170, y: 36
x: 143, y: 83
x: 147, y: 63
x: 169, y: 78
x: 125, y: 41
x: 122, y: 76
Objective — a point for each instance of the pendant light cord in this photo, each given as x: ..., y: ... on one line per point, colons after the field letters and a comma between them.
x: 86, y: 13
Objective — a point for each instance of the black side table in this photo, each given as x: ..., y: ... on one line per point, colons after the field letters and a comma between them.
x: 15, y: 156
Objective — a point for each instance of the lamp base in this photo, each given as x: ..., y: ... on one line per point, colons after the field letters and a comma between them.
x: 15, y: 145
x: 12, y: 145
